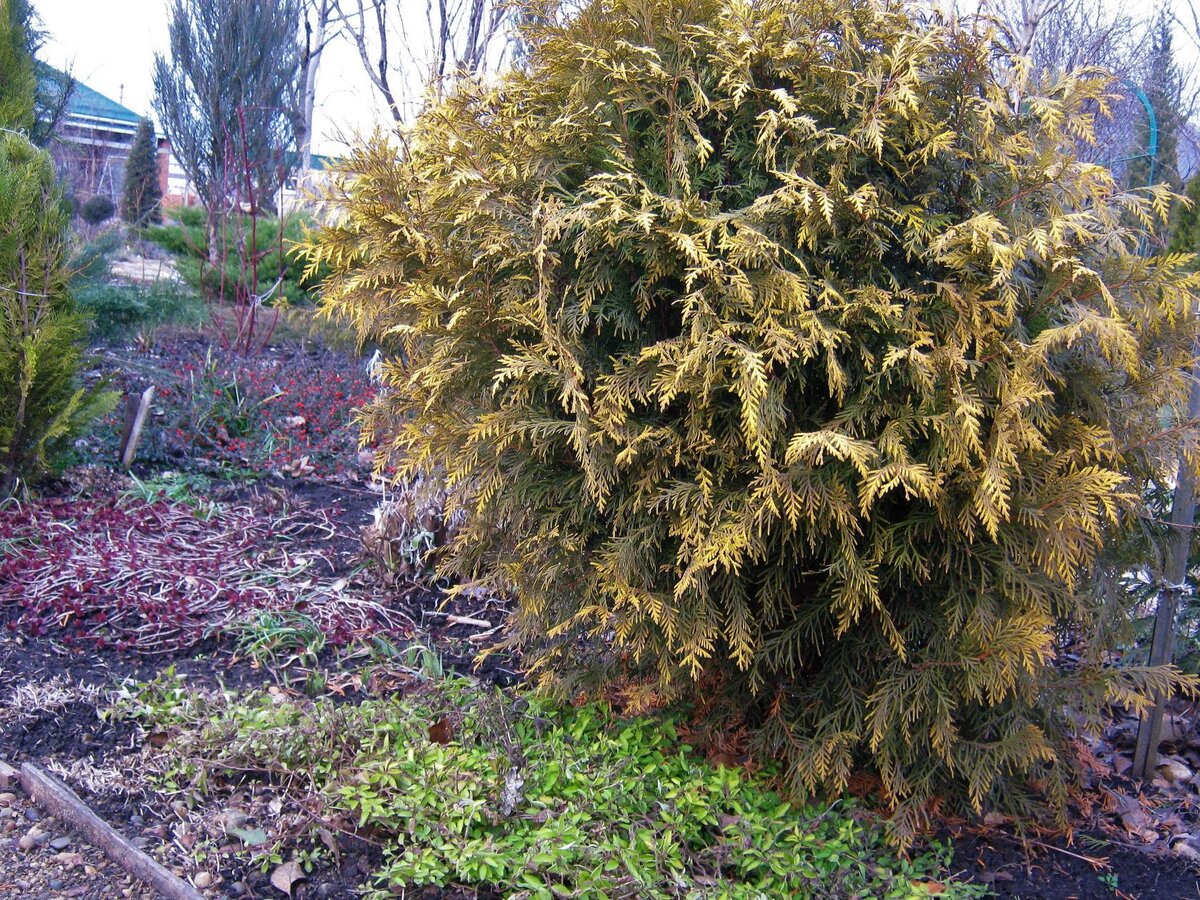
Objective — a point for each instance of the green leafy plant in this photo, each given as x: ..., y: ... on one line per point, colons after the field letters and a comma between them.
x: 185, y: 234
x: 223, y: 411
x: 91, y: 260
x: 118, y: 310
x: 124, y: 310
x: 43, y: 406
x: 471, y: 787
x: 788, y: 357
x: 186, y: 488
x: 421, y: 659
x: 280, y: 638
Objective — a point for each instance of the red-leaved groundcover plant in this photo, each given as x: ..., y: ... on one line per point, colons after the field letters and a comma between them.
x: 162, y: 576
x: 284, y: 410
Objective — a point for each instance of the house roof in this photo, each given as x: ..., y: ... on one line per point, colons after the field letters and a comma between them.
x: 319, y: 163
x: 87, y: 102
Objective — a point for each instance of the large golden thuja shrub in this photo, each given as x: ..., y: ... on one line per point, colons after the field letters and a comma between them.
x: 785, y: 355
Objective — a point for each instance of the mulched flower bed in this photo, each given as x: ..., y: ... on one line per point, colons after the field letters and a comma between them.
x: 274, y: 494
x: 286, y: 409
x: 145, y: 584
x: 270, y: 411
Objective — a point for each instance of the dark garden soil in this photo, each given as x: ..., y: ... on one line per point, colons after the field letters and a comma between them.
x: 49, y: 716
x: 93, y: 755
x: 1052, y: 872
x: 269, y: 443
x: 273, y: 483
x: 265, y: 413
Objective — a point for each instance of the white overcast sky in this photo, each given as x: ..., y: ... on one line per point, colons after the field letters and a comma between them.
x: 109, y: 45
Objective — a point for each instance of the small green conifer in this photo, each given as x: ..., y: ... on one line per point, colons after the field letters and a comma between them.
x: 141, y: 197
x: 42, y: 404
x: 18, y: 81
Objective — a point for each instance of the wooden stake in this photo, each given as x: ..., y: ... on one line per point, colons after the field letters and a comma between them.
x: 136, y: 411
x: 62, y: 803
x: 1162, y: 645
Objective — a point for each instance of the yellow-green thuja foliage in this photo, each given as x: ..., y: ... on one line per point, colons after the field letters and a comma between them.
x: 784, y: 355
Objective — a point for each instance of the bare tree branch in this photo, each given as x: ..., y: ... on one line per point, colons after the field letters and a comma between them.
x: 450, y: 41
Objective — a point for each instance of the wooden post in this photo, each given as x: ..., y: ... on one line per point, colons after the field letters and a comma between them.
x: 1162, y: 645
x: 62, y: 802
x: 136, y: 410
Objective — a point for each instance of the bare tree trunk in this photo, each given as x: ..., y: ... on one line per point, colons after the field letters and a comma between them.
x: 481, y: 29
x: 1032, y: 12
x: 317, y: 15
x: 441, y: 36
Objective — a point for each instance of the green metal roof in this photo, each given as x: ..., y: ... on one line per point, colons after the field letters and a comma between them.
x: 84, y: 101
x: 319, y: 163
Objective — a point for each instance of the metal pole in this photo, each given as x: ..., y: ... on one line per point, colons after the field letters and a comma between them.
x: 1152, y: 124
x: 1183, y: 515
x: 1174, y: 586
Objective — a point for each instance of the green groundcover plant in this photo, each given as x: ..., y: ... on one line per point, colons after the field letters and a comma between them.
x: 787, y: 356
x: 119, y: 311
x: 466, y: 785
x: 185, y: 234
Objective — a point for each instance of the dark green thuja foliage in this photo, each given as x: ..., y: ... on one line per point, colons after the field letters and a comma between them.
x: 787, y: 357
x: 1185, y: 223
x: 42, y: 404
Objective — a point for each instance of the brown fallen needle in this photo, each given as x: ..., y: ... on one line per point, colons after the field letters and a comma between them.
x: 62, y: 803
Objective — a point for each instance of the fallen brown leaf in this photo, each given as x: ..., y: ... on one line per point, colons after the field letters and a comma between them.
x: 441, y: 731
x: 286, y: 875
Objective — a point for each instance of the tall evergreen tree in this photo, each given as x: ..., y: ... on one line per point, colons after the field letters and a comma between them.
x: 226, y: 93
x: 1185, y: 230
x: 38, y: 93
x: 1163, y: 85
x: 142, y: 195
